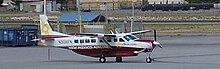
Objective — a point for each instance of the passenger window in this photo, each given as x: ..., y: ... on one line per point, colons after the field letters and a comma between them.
x: 101, y: 41
x: 81, y: 41
x: 115, y: 40
x: 76, y: 41
x: 93, y: 40
x: 87, y: 40
x: 109, y: 40
x: 121, y: 40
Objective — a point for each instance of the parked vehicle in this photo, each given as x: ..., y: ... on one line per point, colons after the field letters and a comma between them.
x: 176, y: 7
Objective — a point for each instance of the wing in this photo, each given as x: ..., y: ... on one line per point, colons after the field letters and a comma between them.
x: 114, y: 35
x: 139, y: 32
x: 98, y: 35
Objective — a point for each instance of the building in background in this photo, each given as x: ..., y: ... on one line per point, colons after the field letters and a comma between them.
x: 95, y: 4
x: 29, y: 5
x: 112, y: 4
x: 66, y: 5
x: 7, y: 5
x: 37, y: 5
x: 164, y: 1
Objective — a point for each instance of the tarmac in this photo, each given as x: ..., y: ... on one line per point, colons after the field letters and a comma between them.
x: 178, y: 52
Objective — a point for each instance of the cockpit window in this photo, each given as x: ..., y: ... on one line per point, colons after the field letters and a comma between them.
x: 126, y: 38
x: 121, y: 40
x: 131, y: 37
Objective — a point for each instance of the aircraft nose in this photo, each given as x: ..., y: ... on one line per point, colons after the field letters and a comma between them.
x: 157, y: 44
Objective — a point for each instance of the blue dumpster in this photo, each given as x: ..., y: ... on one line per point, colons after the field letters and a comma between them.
x: 18, y: 37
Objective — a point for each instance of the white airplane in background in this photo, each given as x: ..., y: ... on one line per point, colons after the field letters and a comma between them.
x: 98, y: 45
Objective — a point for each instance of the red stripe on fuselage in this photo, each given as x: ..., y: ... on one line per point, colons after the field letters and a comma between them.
x: 148, y: 41
x: 52, y: 36
x: 114, y: 51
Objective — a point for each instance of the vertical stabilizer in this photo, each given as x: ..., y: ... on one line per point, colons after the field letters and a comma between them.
x: 45, y: 27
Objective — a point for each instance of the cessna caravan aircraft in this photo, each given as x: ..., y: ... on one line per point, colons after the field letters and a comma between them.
x: 97, y: 44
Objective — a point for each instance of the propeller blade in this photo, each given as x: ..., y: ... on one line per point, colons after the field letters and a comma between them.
x: 155, y: 35
x: 159, y: 46
x: 155, y: 39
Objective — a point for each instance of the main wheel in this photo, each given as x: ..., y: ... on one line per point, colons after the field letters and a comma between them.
x: 148, y: 60
x: 118, y: 59
x: 102, y: 60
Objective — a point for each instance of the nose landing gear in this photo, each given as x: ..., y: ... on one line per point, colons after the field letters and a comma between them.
x: 148, y: 59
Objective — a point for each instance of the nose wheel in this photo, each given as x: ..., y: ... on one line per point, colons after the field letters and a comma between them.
x: 149, y: 59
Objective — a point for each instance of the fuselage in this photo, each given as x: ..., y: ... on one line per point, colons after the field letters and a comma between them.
x: 127, y: 45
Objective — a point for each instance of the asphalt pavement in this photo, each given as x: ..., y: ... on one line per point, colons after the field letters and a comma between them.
x: 179, y: 52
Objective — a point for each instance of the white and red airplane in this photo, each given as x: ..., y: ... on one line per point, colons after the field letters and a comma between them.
x: 97, y: 44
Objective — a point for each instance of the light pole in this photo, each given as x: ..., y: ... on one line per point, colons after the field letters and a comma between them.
x: 106, y: 11
x: 132, y: 17
x: 80, y: 16
x: 45, y: 6
x: 45, y: 12
x: 106, y: 14
x: 124, y: 26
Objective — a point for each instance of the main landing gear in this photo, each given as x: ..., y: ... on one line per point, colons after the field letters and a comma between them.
x: 102, y: 60
x: 118, y: 59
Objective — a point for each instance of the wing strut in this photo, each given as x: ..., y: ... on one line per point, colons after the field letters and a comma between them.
x: 106, y: 42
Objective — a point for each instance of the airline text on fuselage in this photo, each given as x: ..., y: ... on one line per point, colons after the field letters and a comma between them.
x: 88, y: 47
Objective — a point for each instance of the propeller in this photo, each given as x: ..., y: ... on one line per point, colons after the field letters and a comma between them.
x: 155, y: 35
x: 155, y: 39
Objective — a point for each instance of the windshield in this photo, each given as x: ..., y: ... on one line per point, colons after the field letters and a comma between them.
x: 127, y: 38
x: 130, y: 37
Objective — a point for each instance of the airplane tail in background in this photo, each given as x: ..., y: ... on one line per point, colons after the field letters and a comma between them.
x: 46, y: 29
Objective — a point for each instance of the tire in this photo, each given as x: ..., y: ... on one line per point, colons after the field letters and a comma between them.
x: 102, y: 60
x: 148, y: 60
x: 118, y: 59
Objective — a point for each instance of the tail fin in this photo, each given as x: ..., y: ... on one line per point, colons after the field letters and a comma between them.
x: 45, y: 27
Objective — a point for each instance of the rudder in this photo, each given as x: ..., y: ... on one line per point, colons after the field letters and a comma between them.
x: 45, y: 27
